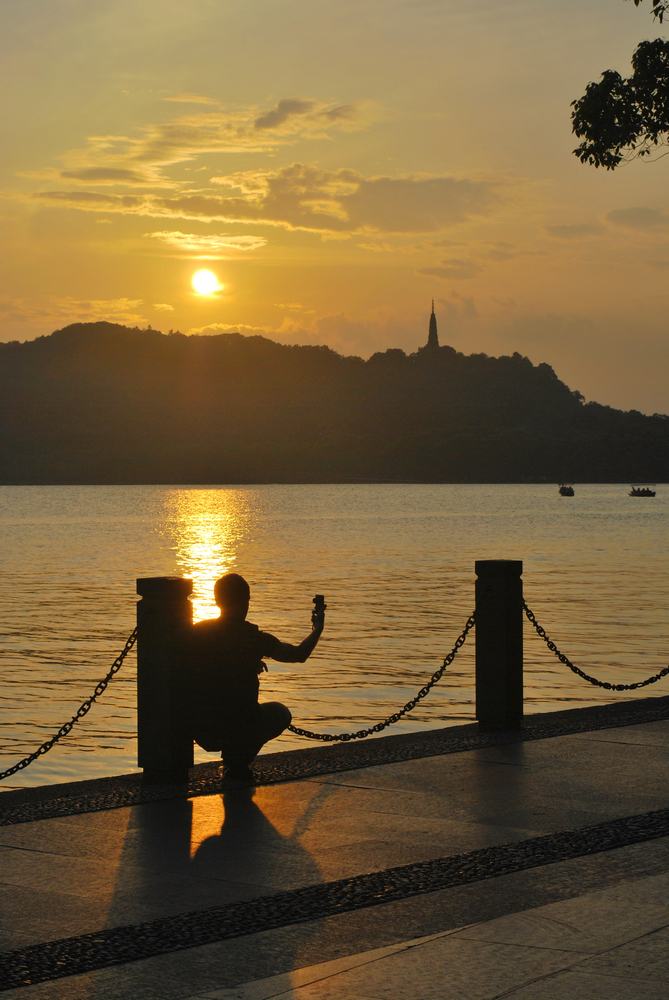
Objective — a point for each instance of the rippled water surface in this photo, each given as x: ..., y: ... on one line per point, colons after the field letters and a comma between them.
x: 396, y: 564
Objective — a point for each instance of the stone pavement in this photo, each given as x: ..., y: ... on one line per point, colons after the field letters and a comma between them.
x: 586, y: 923
x: 606, y: 945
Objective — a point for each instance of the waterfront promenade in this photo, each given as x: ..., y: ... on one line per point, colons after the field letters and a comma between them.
x: 448, y: 864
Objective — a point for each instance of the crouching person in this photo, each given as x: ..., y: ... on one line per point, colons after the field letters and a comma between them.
x: 226, y: 659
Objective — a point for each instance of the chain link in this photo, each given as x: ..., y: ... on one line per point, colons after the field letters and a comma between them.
x: 79, y: 714
x: 586, y: 677
x: 410, y: 705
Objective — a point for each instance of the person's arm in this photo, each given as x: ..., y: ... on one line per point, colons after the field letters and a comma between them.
x: 284, y: 652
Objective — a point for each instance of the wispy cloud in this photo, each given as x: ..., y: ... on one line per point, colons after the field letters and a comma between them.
x: 458, y: 307
x: 191, y: 99
x: 394, y: 246
x: 307, y: 197
x: 217, y: 245
x: 93, y: 201
x: 639, y: 218
x: 142, y: 157
x: 477, y: 256
x: 575, y: 232
x: 288, y: 108
x: 335, y: 203
x: 452, y: 270
x: 107, y: 175
x: 54, y: 309
x: 374, y: 331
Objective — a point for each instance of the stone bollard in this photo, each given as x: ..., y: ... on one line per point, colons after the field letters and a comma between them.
x: 499, y: 644
x: 164, y: 615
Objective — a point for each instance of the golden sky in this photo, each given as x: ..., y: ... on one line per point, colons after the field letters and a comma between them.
x: 336, y: 166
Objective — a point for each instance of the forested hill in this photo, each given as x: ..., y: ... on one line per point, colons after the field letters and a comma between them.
x: 102, y: 403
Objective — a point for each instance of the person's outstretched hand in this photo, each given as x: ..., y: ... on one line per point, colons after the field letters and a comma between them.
x: 318, y: 618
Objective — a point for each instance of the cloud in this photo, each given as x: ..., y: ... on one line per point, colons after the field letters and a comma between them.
x: 378, y: 247
x: 458, y: 307
x: 343, y: 112
x: 639, y: 218
x: 191, y: 99
x: 361, y: 335
x: 405, y: 248
x: 478, y: 257
x: 310, y: 198
x: 318, y: 114
x: 298, y: 116
x: 285, y: 109
x: 454, y: 269
x: 447, y: 243
x: 416, y: 204
x: 307, y: 197
x: 498, y: 251
x: 189, y: 136
x: 53, y: 309
x: 213, y: 329
x: 576, y: 232
x: 107, y: 175
x: 141, y: 157
x: 163, y: 307
x: 212, y: 246
x: 92, y: 200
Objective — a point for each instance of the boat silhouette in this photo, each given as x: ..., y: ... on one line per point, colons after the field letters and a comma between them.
x: 642, y: 490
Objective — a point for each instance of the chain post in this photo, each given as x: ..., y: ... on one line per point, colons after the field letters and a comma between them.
x: 499, y: 644
x: 164, y: 616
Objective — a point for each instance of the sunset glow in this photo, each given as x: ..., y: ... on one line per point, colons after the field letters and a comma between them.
x: 344, y: 170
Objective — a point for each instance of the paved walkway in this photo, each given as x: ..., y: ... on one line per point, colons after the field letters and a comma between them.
x: 584, y: 925
x: 607, y: 945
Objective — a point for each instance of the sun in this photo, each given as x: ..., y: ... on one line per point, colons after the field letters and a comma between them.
x: 205, y: 282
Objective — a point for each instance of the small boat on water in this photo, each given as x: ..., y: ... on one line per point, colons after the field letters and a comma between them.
x: 566, y: 491
x: 642, y: 490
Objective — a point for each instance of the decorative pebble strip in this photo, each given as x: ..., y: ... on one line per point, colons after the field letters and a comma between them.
x: 46, y: 801
x: 74, y: 956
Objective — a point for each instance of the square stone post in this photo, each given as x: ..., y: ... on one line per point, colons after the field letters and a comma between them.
x: 499, y: 644
x: 164, y: 617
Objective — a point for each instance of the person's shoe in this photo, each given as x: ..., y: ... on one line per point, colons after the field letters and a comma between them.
x: 238, y: 774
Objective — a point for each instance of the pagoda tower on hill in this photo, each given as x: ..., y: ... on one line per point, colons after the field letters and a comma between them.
x: 432, y: 338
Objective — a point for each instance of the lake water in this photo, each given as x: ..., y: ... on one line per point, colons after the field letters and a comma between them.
x: 395, y: 562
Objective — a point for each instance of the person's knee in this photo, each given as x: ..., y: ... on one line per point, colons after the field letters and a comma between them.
x: 285, y: 715
x: 277, y: 717
x: 281, y: 713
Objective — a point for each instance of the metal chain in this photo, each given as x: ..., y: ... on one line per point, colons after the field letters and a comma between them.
x: 586, y: 677
x: 85, y: 707
x: 410, y: 705
x: 80, y: 713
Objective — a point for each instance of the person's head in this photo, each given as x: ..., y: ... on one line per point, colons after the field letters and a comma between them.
x: 232, y: 594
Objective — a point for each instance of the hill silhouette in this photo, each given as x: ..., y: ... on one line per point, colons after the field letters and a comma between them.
x: 103, y: 403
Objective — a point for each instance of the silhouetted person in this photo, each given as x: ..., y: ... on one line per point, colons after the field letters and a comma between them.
x: 226, y: 659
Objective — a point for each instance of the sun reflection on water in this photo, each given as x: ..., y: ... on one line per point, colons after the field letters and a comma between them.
x: 207, y: 528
